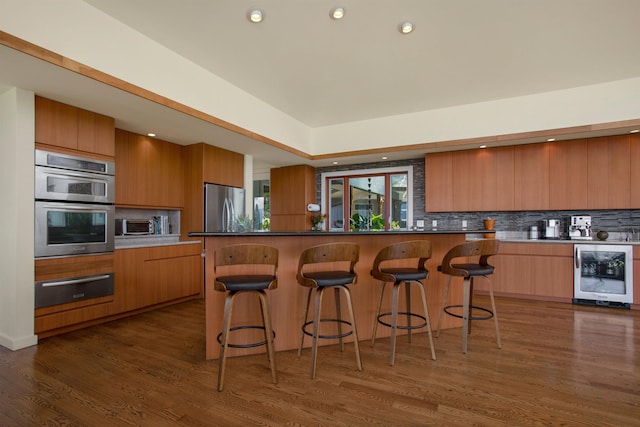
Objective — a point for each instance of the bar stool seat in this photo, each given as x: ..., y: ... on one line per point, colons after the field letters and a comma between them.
x: 235, y: 258
x: 469, y: 272
x: 405, y: 252
x: 319, y: 269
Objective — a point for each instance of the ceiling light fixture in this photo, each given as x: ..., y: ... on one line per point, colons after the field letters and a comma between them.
x: 335, y: 163
x: 634, y: 131
x: 551, y: 139
x: 255, y: 15
x: 337, y: 13
x: 483, y: 146
x: 406, y: 27
x: 151, y: 134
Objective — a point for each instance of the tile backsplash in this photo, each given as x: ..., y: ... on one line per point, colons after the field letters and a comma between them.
x: 621, y: 221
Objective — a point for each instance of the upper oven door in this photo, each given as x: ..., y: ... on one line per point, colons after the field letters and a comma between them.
x: 66, y: 185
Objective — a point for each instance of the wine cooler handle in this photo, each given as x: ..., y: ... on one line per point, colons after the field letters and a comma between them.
x: 577, y: 257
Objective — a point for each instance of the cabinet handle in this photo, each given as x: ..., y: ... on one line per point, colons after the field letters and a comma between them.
x: 75, y: 281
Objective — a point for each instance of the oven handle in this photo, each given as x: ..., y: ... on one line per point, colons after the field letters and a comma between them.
x: 75, y: 281
x: 75, y: 207
x: 577, y: 257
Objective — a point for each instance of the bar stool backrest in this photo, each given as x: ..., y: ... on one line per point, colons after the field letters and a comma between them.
x: 478, y: 248
x: 415, y: 249
x: 263, y: 258
x: 331, y: 252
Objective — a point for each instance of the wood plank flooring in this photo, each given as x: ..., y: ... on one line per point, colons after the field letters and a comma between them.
x: 560, y: 365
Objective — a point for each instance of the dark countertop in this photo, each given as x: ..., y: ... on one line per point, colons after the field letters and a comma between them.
x: 333, y: 233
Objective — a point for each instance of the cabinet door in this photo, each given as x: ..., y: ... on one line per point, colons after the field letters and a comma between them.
x: 56, y: 123
x: 96, y: 133
x: 222, y: 166
x: 568, y: 174
x: 531, y: 178
x: 609, y: 167
x: 439, y: 182
x: 467, y: 171
x: 634, y: 142
x: 534, y: 270
x: 149, y: 172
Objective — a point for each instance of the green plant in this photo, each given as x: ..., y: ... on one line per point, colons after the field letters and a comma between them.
x: 244, y: 223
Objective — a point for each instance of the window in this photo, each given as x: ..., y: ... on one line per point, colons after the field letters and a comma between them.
x: 368, y: 200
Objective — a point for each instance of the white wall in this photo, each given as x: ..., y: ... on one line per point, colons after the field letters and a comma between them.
x: 16, y: 235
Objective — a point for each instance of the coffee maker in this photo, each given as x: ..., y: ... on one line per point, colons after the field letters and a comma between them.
x: 551, y: 228
x: 580, y: 227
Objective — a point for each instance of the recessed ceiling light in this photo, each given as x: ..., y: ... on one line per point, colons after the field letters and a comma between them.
x: 337, y: 13
x: 151, y: 134
x: 255, y: 15
x: 335, y: 163
x: 406, y: 27
x: 483, y: 146
x: 551, y: 139
x: 634, y: 131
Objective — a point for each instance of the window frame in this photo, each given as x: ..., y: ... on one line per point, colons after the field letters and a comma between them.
x: 347, y: 173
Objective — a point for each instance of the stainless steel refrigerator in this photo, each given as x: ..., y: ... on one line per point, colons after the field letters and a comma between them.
x: 223, y: 208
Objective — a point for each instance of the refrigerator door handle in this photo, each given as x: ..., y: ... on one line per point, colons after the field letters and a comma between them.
x: 225, y: 215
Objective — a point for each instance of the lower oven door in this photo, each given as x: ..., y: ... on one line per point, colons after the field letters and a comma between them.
x: 73, y: 228
x: 603, y: 274
x: 61, y: 291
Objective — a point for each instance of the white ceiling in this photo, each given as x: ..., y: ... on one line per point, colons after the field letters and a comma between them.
x: 324, y: 72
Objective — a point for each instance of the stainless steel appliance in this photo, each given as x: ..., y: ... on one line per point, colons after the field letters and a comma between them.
x: 580, y: 227
x: 134, y: 227
x: 552, y: 229
x: 53, y: 292
x: 603, y: 275
x: 224, y: 206
x: 74, y: 207
x: 73, y: 228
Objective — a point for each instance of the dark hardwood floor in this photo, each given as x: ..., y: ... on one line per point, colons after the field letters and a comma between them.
x: 560, y: 365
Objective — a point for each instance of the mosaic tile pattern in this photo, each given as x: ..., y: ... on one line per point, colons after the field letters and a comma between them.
x: 618, y: 221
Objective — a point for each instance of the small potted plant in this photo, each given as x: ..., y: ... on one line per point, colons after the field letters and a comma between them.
x: 317, y: 222
x: 489, y: 224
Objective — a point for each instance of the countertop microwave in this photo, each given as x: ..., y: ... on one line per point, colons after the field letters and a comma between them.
x: 134, y: 227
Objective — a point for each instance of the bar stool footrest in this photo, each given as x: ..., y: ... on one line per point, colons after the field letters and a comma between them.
x: 250, y: 345
x: 404, y: 313
x: 344, y: 322
x: 474, y: 307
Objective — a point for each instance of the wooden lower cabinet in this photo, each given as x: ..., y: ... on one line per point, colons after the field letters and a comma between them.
x: 157, y: 274
x: 636, y: 278
x: 542, y: 271
x: 145, y: 278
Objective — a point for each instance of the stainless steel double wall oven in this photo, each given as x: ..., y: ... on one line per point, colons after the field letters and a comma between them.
x: 74, y: 215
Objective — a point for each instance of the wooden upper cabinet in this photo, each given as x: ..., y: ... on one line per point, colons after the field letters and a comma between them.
x: 149, y: 172
x: 609, y: 172
x: 567, y: 173
x: 56, y: 123
x: 96, y: 133
x: 67, y: 127
x: 438, y: 182
x: 634, y: 146
x: 483, y: 179
x: 531, y: 177
x: 222, y: 166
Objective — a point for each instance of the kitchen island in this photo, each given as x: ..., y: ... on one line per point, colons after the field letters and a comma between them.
x: 288, y: 300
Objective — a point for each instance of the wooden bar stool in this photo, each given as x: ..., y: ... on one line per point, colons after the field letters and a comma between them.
x: 402, y: 253
x: 245, y: 268
x: 469, y: 271
x: 320, y: 268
